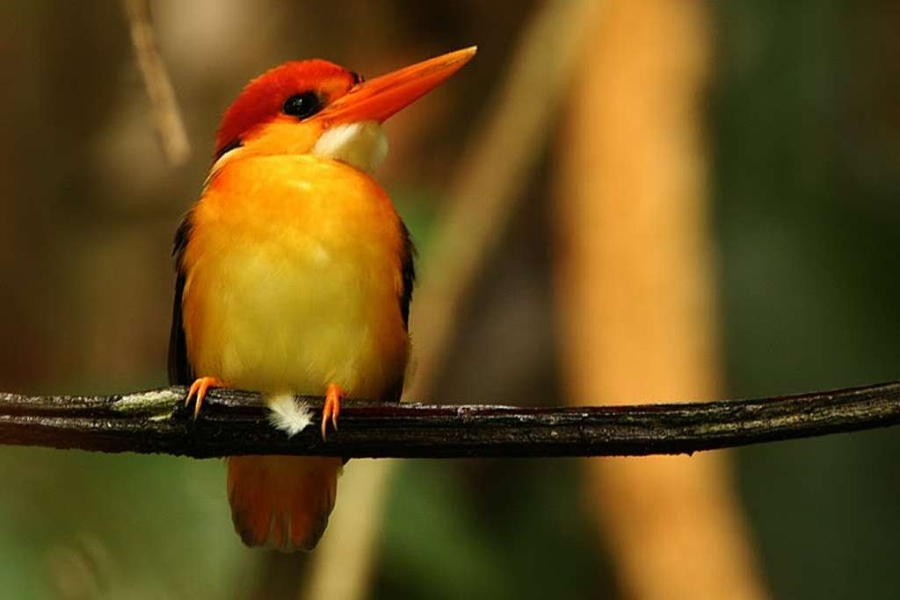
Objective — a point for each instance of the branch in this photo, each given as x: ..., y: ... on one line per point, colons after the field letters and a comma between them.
x: 166, y: 114
x: 233, y: 423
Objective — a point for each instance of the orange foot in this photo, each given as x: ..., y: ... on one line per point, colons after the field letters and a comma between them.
x: 332, y: 407
x: 199, y: 388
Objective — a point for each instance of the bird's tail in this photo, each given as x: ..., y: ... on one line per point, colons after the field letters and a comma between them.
x: 282, y: 502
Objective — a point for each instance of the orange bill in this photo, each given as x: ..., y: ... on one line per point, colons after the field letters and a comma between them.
x: 377, y: 99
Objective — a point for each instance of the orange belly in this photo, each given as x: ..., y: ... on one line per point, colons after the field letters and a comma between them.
x: 293, y: 279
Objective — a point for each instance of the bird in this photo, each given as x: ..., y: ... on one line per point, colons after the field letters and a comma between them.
x: 294, y: 274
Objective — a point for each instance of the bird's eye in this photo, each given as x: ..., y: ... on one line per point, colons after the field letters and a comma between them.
x: 302, y: 105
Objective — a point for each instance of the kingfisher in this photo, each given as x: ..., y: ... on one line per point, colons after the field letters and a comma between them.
x: 294, y: 274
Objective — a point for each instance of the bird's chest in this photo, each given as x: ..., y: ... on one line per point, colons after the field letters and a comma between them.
x: 295, y: 298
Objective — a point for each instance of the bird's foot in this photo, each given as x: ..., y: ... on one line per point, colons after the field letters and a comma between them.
x: 199, y: 389
x: 332, y: 408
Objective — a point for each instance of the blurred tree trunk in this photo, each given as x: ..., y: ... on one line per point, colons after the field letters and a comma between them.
x: 636, y: 295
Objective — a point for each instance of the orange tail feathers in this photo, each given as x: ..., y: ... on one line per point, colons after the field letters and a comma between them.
x: 282, y: 502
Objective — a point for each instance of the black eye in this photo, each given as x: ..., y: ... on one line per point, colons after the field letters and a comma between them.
x: 302, y: 105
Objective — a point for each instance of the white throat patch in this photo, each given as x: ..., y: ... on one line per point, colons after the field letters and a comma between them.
x: 361, y: 144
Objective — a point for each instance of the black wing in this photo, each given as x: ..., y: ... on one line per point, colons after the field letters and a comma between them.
x: 407, y: 264
x: 180, y: 371
x: 408, y: 274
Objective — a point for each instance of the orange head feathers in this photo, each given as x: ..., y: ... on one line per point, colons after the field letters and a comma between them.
x: 283, y: 94
x: 288, y: 109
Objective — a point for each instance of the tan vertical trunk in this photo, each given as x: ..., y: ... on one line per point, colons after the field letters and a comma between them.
x: 636, y: 296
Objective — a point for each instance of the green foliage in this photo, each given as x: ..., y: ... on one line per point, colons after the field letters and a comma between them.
x: 487, y: 529
x: 83, y: 525
x: 806, y: 217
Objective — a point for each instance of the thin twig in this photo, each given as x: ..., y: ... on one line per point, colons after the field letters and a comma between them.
x: 233, y: 422
x: 166, y: 114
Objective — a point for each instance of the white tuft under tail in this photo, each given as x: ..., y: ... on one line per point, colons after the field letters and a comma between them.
x: 288, y: 415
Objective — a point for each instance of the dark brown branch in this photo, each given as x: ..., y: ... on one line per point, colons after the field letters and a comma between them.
x: 233, y: 422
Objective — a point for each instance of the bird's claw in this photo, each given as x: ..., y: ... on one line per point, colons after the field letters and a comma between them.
x: 199, y: 389
x: 331, y: 409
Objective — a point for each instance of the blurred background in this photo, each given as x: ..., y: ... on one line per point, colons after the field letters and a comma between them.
x: 681, y: 200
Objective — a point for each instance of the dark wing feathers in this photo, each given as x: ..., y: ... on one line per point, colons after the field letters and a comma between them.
x: 407, y: 264
x: 180, y: 371
x: 408, y: 275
